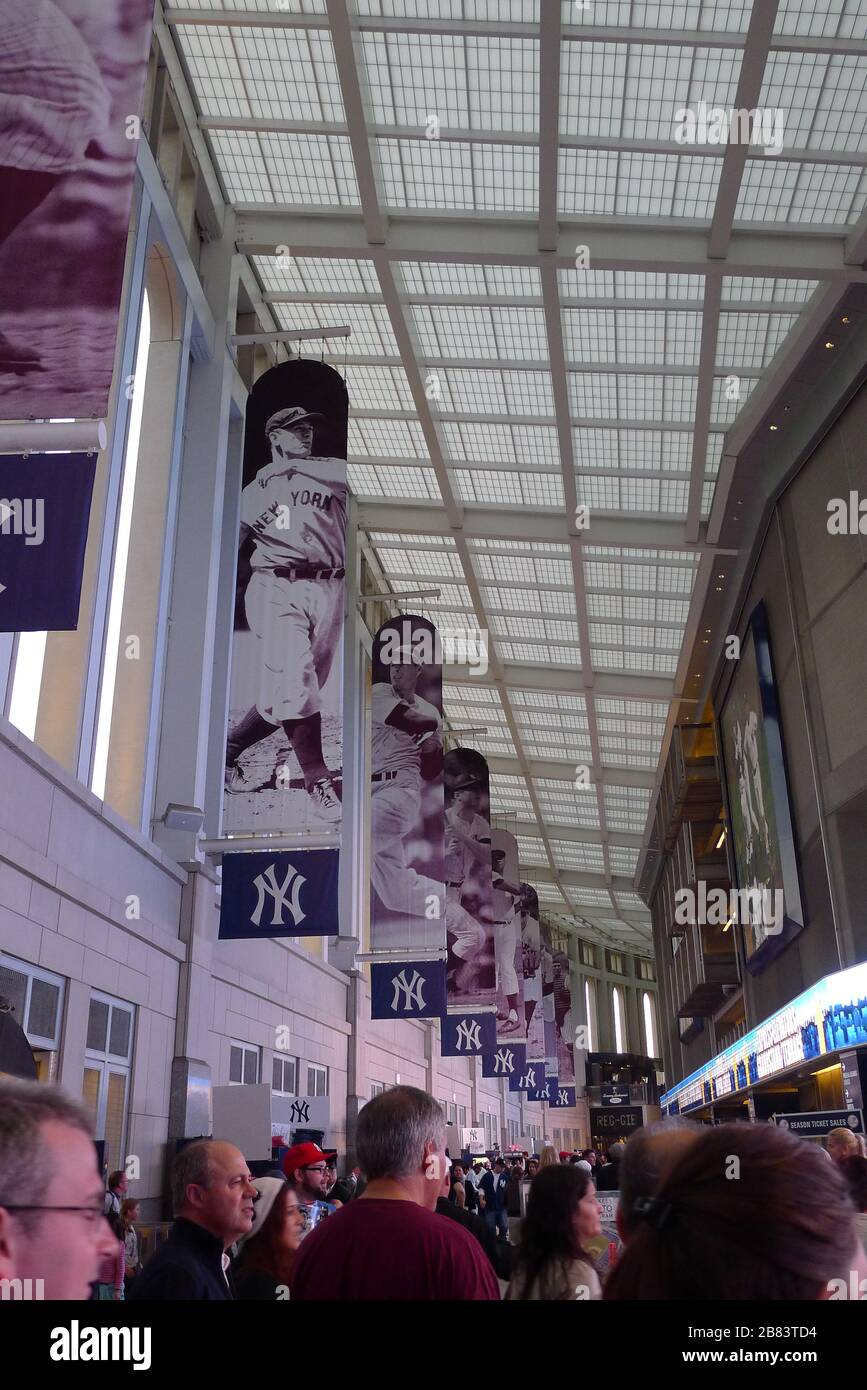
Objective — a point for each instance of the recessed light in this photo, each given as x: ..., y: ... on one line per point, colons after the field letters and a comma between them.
x: 829, y: 344
x: 775, y: 427
x: 719, y: 588
x: 845, y: 318
x: 720, y: 576
x: 735, y: 518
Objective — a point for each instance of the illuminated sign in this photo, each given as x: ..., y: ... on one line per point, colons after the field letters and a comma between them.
x: 831, y: 1014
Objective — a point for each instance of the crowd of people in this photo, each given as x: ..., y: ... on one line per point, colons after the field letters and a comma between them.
x: 727, y: 1212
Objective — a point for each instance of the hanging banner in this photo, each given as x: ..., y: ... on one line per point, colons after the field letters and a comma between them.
x: 548, y: 998
x: 72, y: 75
x: 529, y: 1078
x: 469, y: 917
x: 467, y: 1035
x: 284, y: 750
x: 544, y: 1090
x: 506, y: 909
x: 531, y: 953
x: 407, y: 872
x: 288, y: 893
x: 412, y: 989
x: 564, y: 1031
x: 563, y: 1097
x: 507, y: 1059
x: 44, y: 518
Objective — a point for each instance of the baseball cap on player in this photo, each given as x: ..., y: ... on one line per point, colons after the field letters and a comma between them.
x: 407, y: 656
x: 465, y: 782
x: 290, y: 417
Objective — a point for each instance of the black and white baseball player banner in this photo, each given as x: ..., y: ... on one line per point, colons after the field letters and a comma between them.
x: 410, y: 989
x: 469, y: 894
x: 283, y: 893
x: 564, y: 1032
x: 531, y: 950
x: 468, y: 1035
x: 284, y: 750
x: 72, y: 74
x: 407, y: 905
x: 44, y: 518
x: 563, y: 1097
x: 507, y: 1059
x: 506, y: 908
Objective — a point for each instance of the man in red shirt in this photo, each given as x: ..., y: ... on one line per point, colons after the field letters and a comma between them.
x: 389, y: 1244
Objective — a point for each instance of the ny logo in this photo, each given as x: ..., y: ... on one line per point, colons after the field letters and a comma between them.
x: 562, y: 1097
x: 411, y: 988
x: 300, y: 1112
x: 469, y: 1034
x: 529, y: 1080
x: 267, y: 884
x: 504, y: 1061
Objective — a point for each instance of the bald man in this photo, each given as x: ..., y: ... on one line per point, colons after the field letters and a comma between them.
x: 212, y: 1198
x: 647, y: 1157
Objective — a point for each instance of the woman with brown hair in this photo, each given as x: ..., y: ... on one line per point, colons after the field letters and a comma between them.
x: 263, y: 1268
x: 562, y: 1214
x: 748, y: 1212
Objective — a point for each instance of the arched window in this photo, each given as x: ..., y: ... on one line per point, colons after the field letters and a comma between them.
x: 619, y: 1028
x: 649, y: 1025
x: 590, y: 1015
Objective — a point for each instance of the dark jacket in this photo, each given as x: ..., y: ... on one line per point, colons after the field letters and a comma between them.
x: 494, y: 1185
x: 479, y: 1228
x: 188, y: 1265
x: 608, y: 1177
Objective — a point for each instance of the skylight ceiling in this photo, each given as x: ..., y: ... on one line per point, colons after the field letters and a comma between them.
x: 500, y: 377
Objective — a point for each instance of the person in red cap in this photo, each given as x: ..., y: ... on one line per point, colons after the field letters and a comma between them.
x: 306, y: 1169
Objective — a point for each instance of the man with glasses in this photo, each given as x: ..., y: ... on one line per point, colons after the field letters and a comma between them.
x: 306, y: 1167
x: 53, y: 1235
x: 212, y: 1199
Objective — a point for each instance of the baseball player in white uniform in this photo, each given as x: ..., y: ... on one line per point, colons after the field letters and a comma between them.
x: 403, y: 725
x: 506, y: 898
x: 468, y: 842
x: 295, y: 509
x: 532, y: 959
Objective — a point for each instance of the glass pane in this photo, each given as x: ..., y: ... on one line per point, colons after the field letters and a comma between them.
x: 114, y: 1111
x: 42, y: 1016
x: 277, y: 1074
x: 311, y: 1081
x: 120, y: 1034
x: 13, y: 987
x: 236, y: 1064
x: 290, y: 1073
x: 97, y: 1025
x: 251, y: 1068
x: 90, y: 1090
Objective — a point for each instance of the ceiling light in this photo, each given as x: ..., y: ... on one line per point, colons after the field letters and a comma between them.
x: 845, y: 318
x: 829, y: 344
x: 721, y: 840
x: 775, y: 427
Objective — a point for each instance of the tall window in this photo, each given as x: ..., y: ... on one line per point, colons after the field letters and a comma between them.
x: 590, y: 1013
x: 619, y: 1029
x: 107, y: 1062
x: 121, y: 556
x: 36, y: 997
x: 243, y: 1064
x: 317, y: 1080
x: 284, y: 1076
x: 377, y: 1088
x: 649, y: 1025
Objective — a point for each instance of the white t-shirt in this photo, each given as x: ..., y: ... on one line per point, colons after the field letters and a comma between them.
x: 459, y: 861
x: 393, y: 749
x: 301, y: 519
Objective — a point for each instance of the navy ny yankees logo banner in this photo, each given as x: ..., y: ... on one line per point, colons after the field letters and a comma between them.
x: 531, y: 1075
x: 469, y: 894
x: 282, y: 893
x: 507, y: 1059
x: 44, y: 517
x: 407, y: 905
x: 72, y: 74
x: 467, y: 1035
x: 411, y: 989
x: 542, y: 1090
x: 563, y: 1097
x: 284, y: 749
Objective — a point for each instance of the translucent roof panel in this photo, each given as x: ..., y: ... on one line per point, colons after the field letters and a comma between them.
x: 284, y: 74
x: 298, y: 7
x: 753, y: 288
x: 723, y: 16
x: 843, y: 19
x: 409, y: 483
x: 509, y: 489
x: 605, y: 183
x: 328, y: 276
x: 371, y: 328
x: 429, y: 278
x: 455, y: 175
x: 495, y: 334
x: 377, y: 438
x: 629, y: 285
x: 564, y: 804
x: 779, y: 191
x: 463, y: 392
x: 489, y: 11
x: 377, y: 388
x: 500, y: 443
x: 275, y: 168
x: 751, y: 340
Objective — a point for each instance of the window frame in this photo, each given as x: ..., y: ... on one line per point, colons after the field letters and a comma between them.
x: 245, y: 1048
